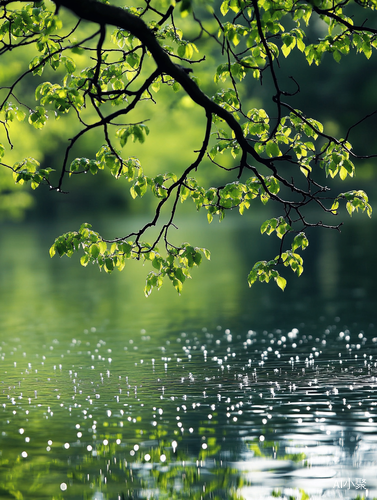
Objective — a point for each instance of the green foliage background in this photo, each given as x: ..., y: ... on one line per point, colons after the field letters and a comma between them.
x: 327, y: 93
x: 172, y: 129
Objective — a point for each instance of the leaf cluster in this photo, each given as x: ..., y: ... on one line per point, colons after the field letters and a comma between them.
x: 176, y: 266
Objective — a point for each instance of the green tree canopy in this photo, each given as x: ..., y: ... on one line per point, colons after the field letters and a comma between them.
x: 102, y: 61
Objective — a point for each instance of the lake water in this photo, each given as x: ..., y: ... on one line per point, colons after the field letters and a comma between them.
x: 223, y: 393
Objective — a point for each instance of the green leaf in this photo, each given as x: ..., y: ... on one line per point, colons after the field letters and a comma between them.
x: 70, y: 65
x: 109, y: 265
x: 156, y: 85
x: 207, y: 253
x: 178, y: 286
x: 84, y: 260
x: 337, y: 56
x: 269, y: 226
x: 95, y: 251
x: 181, y: 50
x: 272, y: 149
x: 179, y: 275
x: 300, y: 241
x: 38, y: 117
x: 224, y: 7
x: 157, y: 263
x: 133, y: 192
x: 281, y: 282
x: 197, y: 258
x: 102, y: 246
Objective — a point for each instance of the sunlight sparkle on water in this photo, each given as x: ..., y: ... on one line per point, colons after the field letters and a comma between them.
x: 231, y: 392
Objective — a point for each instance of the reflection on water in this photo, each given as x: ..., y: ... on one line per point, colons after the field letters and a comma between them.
x: 221, y: 393
x: 204, y: 412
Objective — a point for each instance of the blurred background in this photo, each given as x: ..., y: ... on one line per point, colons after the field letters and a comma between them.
x: 338, y: 95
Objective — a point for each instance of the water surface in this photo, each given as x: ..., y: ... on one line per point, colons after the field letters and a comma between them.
x: 224, y: 392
